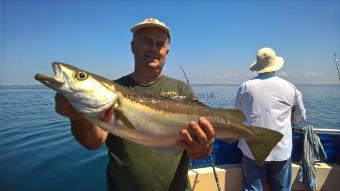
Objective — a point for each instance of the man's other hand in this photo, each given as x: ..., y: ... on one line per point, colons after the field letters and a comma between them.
x: 64, y: 108
x: 198, y: 139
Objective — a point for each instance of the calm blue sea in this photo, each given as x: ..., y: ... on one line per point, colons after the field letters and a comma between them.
x: 38, y: 152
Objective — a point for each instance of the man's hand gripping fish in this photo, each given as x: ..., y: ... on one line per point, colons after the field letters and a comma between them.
x: 152, y: 121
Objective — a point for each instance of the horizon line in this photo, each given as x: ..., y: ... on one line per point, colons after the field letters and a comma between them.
x: 194, y: 84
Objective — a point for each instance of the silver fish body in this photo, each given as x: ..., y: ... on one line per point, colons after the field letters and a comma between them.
x: 153, y: 121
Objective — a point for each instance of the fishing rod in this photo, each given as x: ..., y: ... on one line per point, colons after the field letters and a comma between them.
x: 184, y: 74
x: 210, y: 155
x: 337, y: 66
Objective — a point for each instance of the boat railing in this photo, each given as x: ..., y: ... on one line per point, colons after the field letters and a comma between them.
x: 320, y: 130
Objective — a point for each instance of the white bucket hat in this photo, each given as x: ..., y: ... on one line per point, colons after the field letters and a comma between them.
x: 266, y: 61
x: 151, y: 22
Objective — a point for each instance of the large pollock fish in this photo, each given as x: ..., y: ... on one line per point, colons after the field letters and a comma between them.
x: 150, y: 120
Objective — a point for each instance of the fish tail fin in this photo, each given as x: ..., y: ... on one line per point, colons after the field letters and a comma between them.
x: 262, y: 145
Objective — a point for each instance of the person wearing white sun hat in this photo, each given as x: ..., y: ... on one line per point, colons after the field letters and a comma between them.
x: 271, y: 102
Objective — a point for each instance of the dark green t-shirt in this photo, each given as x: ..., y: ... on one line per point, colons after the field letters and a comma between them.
x: 135, y: 167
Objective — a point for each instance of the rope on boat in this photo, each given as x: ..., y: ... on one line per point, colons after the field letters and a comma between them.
x: 313, y: 151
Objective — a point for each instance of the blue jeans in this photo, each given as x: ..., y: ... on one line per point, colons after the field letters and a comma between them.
x: 278, y: 174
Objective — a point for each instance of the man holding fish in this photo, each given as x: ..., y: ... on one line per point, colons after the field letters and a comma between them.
x: 132, y: 166
x: 146, y: 119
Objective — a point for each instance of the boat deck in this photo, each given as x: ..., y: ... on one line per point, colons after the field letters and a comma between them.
x: 230, y: 178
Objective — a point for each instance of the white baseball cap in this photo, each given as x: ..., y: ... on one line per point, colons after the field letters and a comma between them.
x: 151, y: 22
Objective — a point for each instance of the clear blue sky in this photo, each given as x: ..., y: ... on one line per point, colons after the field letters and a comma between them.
x: 214, y: 41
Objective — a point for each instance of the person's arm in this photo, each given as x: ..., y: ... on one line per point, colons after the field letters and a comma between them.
x: 87, y: 134
x: 298, y: 111
x: 237, y: 99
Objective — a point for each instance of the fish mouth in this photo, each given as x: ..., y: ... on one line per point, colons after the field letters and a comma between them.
x: 55, y: 81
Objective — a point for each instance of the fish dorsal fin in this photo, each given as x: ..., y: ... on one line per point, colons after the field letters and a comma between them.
x: 187, y: 100
x: 181, y: 99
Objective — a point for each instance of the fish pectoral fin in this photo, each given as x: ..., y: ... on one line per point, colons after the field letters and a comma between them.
x: 171, y: 150
x: 263, y: 144
x: 120, y: 116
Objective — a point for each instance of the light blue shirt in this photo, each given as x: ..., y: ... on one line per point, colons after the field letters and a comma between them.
x: 271, y: 102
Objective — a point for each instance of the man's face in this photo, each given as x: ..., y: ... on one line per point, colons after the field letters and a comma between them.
x: 150, y: 47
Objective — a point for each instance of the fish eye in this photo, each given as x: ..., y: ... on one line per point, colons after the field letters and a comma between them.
x: 81, y: 76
